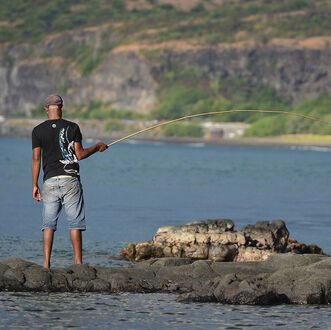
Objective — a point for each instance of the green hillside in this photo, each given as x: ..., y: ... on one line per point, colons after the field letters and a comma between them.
x: 33, y: 20
x: 182, y: 90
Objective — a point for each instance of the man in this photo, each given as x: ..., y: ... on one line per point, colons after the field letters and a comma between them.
x: 59, y: 142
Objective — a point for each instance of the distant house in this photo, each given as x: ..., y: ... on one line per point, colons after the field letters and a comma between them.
x: 223, y: 130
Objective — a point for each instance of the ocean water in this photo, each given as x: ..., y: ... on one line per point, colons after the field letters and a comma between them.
x: 130, y: 191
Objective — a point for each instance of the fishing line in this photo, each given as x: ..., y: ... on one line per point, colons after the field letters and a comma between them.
x: 215, y: 113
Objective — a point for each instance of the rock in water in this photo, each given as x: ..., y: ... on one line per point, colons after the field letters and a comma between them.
x: 216, y: 240
x: 301, y: 248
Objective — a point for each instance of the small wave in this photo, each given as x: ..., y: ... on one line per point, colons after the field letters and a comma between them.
x: 312, y: 148
x: 197, y: 144
x: 155, y: 143
x: 131, y: 141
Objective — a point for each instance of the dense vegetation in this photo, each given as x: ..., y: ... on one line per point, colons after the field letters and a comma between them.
x: 183, y: 130
x: 181, y: 91
x: 185, y: 91
x: 33, y: 20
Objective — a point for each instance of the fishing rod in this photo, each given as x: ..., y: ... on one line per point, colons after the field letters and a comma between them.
x: 215, y: 113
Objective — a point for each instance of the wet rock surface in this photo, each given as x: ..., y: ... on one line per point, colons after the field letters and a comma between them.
x: 216, y: 240
x: 282, y: 278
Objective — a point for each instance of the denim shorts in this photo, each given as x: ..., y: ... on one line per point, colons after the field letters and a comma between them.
x: 66, y: 192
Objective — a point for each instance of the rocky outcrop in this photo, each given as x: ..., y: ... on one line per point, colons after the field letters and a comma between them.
x: 283, y: 278
x: 214, y: 240
x: 128, y: 79
x: 294, y: 71
x: 298, y: 279
x: 122, y: 80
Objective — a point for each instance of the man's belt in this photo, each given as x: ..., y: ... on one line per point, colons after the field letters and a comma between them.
x: 61, y: 176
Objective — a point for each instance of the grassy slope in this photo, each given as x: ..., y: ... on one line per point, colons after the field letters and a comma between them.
x: 32, y: 20
x: 183, y: 90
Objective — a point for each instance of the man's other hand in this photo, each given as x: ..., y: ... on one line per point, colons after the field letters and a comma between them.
x: 36, y: 194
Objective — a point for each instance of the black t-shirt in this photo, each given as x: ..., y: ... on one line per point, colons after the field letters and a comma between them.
x: 57, y: 141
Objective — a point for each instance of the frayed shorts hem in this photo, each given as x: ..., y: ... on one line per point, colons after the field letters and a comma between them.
x: 50, y: 227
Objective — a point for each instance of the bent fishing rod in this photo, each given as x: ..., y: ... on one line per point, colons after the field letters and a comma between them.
x: 215, y: 113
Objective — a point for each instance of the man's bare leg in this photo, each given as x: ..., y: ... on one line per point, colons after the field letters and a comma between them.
x: 48, y: 235
x: 76, y: 240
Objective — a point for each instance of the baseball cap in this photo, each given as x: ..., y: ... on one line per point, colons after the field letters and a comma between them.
x: 53, y: 100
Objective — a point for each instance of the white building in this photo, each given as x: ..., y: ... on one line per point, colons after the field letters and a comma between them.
x: 223, y: 130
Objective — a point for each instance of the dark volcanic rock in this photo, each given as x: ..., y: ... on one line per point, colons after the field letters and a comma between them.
x: 283, y: 278
x: 267, y: 235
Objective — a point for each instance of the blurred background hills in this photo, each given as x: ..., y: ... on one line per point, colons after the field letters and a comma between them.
x: 162, y: 59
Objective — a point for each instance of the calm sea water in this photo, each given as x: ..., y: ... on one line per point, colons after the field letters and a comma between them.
x: 130, y: 191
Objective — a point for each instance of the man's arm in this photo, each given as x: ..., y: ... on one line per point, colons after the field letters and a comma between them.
x: 36, y: 161
x: 82, y: 153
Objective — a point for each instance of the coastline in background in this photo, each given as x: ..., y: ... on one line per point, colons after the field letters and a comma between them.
x: 95, y: 129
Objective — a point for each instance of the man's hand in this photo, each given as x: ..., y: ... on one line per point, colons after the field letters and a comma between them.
x: 36, y: 194
x: 102, y: 146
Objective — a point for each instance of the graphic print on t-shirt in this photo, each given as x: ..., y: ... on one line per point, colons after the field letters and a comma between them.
x: 68, y: 151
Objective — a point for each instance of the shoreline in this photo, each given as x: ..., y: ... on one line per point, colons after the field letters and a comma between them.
x: 22, y: 128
